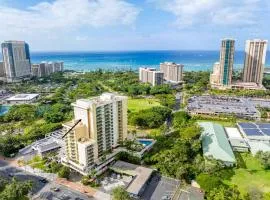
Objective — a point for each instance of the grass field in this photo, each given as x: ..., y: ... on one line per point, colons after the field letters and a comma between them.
x: 135, y: 105
x: 251, y: 174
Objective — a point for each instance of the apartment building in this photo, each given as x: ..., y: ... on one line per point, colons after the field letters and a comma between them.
x: 172, y: 72
x: 46, y: 68
x: 16, y: 57
x: 215, y: 76
x: 255, y: 54
x: 151, y: 75
x: 99, y: 125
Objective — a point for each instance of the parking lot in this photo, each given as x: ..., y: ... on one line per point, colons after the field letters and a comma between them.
x: 160, y: 188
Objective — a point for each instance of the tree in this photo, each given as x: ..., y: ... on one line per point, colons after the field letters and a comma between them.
x: 180, y: 119
x: 208, y: 182
x: 21, y: 112
x: 264, y: 158
x: 56, y: 113
x: 150, y: 118
x: 120, y: 193
x: 64, y: 172
x: 224, y: 193
x: 16, y: 190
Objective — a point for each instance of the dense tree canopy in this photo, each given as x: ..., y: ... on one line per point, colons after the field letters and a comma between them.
x: 14, y: 190
x: 150, y: 118
x: 120, y: 193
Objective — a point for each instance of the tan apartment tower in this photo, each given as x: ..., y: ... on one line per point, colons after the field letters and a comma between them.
x: 255, y: 54
x: 99, y: 125
x: 226, y: 61
x: 151, y: 75
x: 172, y: 72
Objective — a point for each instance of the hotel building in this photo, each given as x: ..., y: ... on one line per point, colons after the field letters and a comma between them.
x: 99, y: 125
x: 16, y: 57
x: 45, y: 68
x: 226, y: 61
x: 255, y: 54
x: 151, y: 75
x: 172, y: 72
x: 222, y: 70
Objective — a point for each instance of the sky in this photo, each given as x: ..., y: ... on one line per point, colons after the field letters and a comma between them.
x: 115, y: 25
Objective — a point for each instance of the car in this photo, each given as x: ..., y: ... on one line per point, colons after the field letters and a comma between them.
x: 55, y: 189
x: 43, y: 180
x: 10, y: 174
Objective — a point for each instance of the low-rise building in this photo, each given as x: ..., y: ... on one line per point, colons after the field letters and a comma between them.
x: 256, y: 132
x: 51, y: 143
x: 22, y: 99
x: 215, y: 143
x: 140, y: 176
x: 237, y: 141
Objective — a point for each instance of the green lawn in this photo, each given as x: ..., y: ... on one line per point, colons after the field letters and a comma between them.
x: 135, y: 105
x: 251, y: 174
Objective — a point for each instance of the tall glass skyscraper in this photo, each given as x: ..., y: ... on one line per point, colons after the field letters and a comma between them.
x: 16, y: 57
x: 226, y: 61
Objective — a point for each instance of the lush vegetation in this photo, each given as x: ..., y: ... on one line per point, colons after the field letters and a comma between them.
x: 196, y: 82
x: 150, y: 118
x: 178, y: 155
x: 120, y: 193
x: 251, y: 179
x: 14, y: 190
x: 128, y: 157
x: 50, y: 165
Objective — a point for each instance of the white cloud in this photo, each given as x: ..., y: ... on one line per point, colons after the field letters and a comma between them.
x: 67, y: 14
x: 81, y: 38
x: 219, y: 12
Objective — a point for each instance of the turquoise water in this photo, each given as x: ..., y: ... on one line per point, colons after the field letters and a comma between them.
x: 145, y: 142
x: 4, y: 110
x: 88, y: 61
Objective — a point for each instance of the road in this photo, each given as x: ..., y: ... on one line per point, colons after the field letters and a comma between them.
x: 40, y: 190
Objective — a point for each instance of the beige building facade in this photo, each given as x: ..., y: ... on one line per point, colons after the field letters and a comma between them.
x: 99, y: 125
x: 151, y: 75
x: 255, y: 55
x: 172, y: 72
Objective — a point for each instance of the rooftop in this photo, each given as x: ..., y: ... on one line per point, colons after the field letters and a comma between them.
x: 141, y: 174
x: 105, y: 98
x: 223, y: 105
x: 258, y: 146
x: 22, y: 97
x: 215, y: 142
x: 233, y: 133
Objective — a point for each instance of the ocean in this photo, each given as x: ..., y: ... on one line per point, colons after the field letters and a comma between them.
x: 124, y: 60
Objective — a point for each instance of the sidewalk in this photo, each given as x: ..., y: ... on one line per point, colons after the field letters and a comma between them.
x: 89, y: 191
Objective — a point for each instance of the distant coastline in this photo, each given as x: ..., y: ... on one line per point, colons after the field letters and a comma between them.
x: 125, y: 60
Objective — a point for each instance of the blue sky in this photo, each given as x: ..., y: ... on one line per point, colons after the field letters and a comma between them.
x: 96, y: 25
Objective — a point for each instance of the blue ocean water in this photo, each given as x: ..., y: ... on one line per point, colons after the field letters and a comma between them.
x: 88, y: 61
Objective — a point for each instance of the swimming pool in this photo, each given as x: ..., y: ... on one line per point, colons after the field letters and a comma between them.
x: 4, y: 110
x: 145, y: 142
